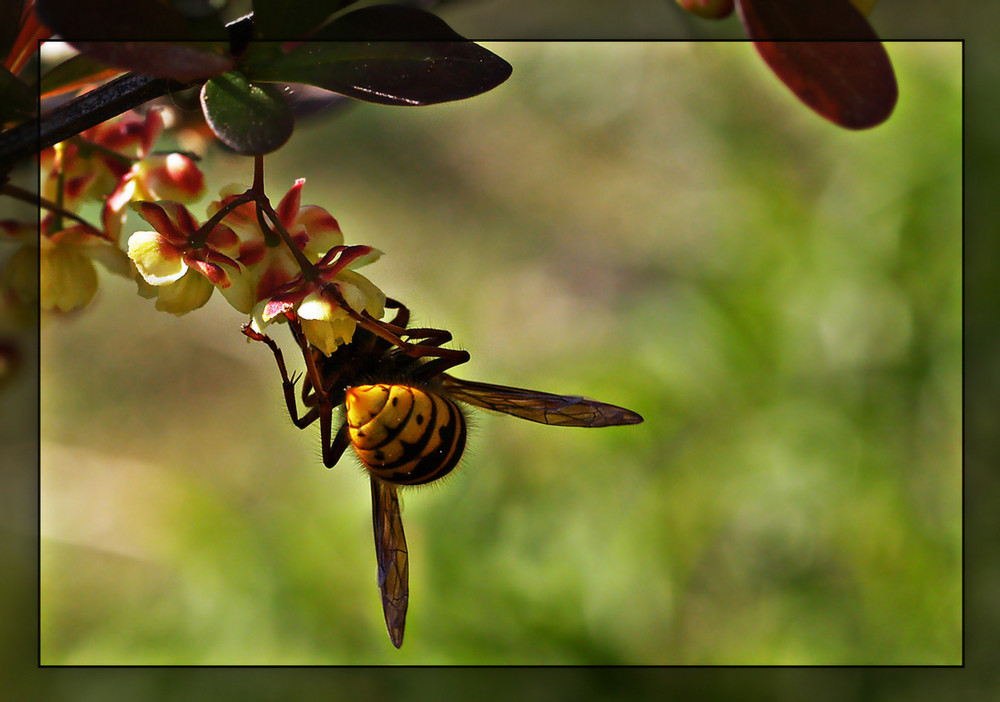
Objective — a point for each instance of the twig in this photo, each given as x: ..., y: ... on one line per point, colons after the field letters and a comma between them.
x: 90, y: 109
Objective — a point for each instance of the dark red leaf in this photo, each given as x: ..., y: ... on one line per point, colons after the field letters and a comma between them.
x: 141, y: 36
x: 387, y: 54
x: 827, y: 54
x: 183, y: 62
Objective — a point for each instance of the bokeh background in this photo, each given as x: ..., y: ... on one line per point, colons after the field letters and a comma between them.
x: 656, y: 225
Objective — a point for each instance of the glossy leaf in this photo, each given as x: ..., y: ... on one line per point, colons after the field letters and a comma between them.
x: 272, y: 20
x: 141, y: 36
x: 308, y: 101
x: 827, y: 54
x: 251, y: 119
x: 179, y: 61
x: 378, y: 58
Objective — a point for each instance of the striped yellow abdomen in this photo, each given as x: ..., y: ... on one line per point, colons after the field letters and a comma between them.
x: 405, y: 435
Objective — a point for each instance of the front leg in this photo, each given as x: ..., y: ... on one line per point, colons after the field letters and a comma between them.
x: 287, y: 383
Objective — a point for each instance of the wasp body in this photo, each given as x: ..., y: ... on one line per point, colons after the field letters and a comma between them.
x: 403, y: 434
x: 404, y: 420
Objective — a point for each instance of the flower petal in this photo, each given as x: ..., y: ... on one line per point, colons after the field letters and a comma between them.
x: 187, y: 294
x: 352, y: 294
x: 224, y: 240
x: 68, y: 279
x: 340, y: 257
x: 317, y: 307
x: 215, y: 273
x: 170, y: 177
x: 145, y: 290
x: 112, y: 258
x: 157, y: 260
x: 113, y: 212
x: 324, y: 231
x: 257, y: 321
x: 241, y: 291
x: 327, y: 336
x: 374, y: 298
x: 288, y: 208
x: 363, y: 260
x: 276, y: 307
x: 158, y: 217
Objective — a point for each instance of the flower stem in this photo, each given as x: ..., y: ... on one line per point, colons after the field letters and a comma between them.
x: 58, y: 164
x: 26, y: 196
x: 309, y: 271
x: 90, y: 109
x: 198, y: 240
x: 270, y: 238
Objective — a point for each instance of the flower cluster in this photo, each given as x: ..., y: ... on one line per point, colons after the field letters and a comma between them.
x: 256, y: 271
x: 53, y: 264
x: 285, y: 263
x: 110, y: 164
x: 178, y: 262
x: 321, y: 303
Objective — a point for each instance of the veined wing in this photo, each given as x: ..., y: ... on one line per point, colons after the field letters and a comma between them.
x: 390, y: 551
x: 535, y: 406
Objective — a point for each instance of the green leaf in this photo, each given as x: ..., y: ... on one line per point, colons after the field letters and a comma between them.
x: 377, y: 58
x: 251, y: 119
x: 272, y: 19
x: 17, y: 99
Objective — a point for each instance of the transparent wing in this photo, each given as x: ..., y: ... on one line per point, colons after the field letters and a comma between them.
x: 535, y: 406
x: 390, y: 551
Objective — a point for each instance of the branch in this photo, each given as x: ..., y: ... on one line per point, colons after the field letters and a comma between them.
x: 90, y: 109
x: 23, y: 195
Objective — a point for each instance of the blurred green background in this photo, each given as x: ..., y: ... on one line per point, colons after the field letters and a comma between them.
x: 660, y: 226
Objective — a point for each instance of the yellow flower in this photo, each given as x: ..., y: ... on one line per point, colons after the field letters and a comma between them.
x: 67, y: 277
x: 266, y: 267
x: 317, y: 304
x: 179, y: 265
x: 325, y: 323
